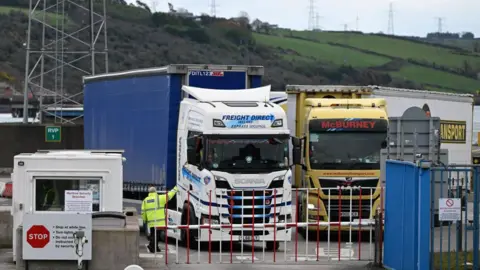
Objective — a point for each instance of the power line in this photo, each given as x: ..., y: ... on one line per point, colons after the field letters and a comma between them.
x: 213, y: 8
x: 391, y: 29
x: 311, y: 15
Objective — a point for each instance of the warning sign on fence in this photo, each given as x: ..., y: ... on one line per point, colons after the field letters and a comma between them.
x: 449, y: 209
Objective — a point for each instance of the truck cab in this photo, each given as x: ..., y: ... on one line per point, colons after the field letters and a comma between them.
x: 343, y: 133
x: 233, y: 165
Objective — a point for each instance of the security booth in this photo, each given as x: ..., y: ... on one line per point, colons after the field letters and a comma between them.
x: 55, y: 193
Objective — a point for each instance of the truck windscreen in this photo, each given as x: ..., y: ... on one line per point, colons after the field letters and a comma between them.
x: 247, y: 154
x: 346, y: 144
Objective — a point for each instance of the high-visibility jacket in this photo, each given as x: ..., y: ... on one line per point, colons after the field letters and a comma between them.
x: 153, y: 208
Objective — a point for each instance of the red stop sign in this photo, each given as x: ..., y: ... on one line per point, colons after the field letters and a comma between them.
x: 38, y: 236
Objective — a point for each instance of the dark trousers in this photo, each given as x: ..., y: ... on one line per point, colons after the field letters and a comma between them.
x: 153, y: 243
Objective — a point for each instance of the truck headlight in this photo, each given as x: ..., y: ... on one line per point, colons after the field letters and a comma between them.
x: 279, y: 178
x: 311, y: 206
x: 277, y: 123
x: 219, y: 178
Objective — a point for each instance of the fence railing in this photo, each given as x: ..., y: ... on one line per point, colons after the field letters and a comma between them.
x: 312, y: 224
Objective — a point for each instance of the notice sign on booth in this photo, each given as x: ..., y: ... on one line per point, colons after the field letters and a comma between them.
x: 78, y: 201
x: 449, y: 209
x: 50, y: 236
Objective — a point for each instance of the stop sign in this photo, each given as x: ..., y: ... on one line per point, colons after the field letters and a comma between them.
x: 38, y: 236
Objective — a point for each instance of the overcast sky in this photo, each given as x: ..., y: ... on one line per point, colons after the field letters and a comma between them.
x: 411, y: 17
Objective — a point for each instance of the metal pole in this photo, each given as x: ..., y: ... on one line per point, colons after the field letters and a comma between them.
x: 27, y: 65
x: 42, y: 68
x: 105, y: 34
x: 459, y: 223
x: 92, y: 34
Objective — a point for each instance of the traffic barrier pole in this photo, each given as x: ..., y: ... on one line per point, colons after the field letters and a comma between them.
x: 199, y: 233
x: 253, y: 228
x: 231, y: 226
x: 329, y: 228
x: 307, y: 227
x: 274, y: 224
x: 188, y: 228
x: 318, y: 221
x: 265, y: 206
x: 210, y: 228
x: 339, y: 221
x: 360, y: 225
x: 166, y: 229
x: 296, y: 224
x: 242, y: 215
x: 372, y: 211
x: 381, y: 223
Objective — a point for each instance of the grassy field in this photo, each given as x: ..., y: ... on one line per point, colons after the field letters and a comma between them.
x: 448, y: 260
x: 392, y: 47
x: 431, y: 76
x: 51, y: 18
x: 363, y: 52
x: 322, y: 52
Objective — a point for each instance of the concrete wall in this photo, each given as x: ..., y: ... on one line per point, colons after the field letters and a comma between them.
x: 18, y: 138
x: 113, y: 248
x: 6, y: 227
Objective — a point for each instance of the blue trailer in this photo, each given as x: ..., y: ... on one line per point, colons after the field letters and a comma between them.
x: 137, y: 111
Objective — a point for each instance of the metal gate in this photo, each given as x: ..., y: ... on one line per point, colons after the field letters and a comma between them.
x: 454, y: 226
x: 254, y: 231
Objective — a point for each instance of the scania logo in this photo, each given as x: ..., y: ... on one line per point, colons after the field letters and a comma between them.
x: 246, y: 181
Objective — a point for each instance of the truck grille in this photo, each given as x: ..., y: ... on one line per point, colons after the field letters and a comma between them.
x: 368, y: 187
x: 335, y: 210
x: 243, y: 206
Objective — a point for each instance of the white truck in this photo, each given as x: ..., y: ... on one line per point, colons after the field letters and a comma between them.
x: 234, y: 145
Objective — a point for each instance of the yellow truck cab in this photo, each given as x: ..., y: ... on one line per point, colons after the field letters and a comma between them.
x: 343, y: 133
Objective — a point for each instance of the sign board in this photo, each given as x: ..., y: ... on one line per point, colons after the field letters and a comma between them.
x: 78, y: 201
x: 248, y: 121
x: 50, y: 236
x: 53, y: 134
x: 453, y: 131
x: 449, y: 209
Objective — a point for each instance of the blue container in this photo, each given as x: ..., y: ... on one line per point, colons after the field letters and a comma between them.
x: 137, y: 111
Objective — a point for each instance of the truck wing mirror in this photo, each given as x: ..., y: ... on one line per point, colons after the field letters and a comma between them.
x: 296, y: 142
x: 384, y: 144
x: 297, y: 155
x: 191, y: 156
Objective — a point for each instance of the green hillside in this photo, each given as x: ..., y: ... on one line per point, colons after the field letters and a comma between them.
x: 139, y: 38
x: 435, y: 67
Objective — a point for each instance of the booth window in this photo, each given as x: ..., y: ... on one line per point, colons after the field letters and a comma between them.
x: 50, y: 192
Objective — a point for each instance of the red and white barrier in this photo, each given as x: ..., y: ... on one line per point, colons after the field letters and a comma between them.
x: 332, y: 214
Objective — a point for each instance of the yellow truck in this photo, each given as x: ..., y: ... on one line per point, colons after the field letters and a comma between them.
x: 343, y: 133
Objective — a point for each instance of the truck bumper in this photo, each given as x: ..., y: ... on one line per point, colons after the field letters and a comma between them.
x: 268, y: 234
x: 356, y: 225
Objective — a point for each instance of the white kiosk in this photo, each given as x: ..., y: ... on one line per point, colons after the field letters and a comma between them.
x: 63, y: 182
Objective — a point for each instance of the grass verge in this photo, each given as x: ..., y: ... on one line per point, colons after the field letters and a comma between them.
x: 448, y: 260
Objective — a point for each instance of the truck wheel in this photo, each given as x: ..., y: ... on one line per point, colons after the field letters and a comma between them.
x: 193, y: 233
x: 270, y: 245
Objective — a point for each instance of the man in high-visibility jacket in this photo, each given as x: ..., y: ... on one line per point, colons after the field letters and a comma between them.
x: 153, y: 214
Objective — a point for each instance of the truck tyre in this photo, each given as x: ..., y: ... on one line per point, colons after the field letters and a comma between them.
x: 270, y: 245
x: 193, y: 233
